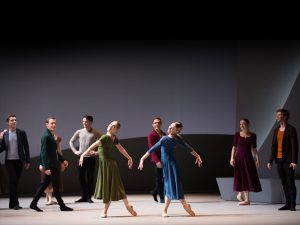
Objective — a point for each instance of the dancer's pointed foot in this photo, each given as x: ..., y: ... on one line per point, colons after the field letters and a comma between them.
x: 103, y: 215
x: 244, y: 202
x: 131, y: 210
x: 188, y: 209
x: 164, y: 214
x: 51, y: 203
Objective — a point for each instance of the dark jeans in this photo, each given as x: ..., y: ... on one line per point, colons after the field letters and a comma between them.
x: 14, y: 169
x: 159, y: 181
x: 86, y: 176
x: 54, y: 177
x: 287, y: 177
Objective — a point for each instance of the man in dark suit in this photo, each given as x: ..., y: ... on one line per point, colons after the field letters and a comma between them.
x: 285, y: 153
x: 50, y: 160
x: 15, y: 144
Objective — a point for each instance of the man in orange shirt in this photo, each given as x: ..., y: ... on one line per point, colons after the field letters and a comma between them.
x: 285, y: 153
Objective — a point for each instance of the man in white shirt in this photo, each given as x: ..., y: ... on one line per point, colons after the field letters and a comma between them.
x: 86, y: 137
x: 15, y: 144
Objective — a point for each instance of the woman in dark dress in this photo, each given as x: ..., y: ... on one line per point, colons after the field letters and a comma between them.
x: 245, y: 173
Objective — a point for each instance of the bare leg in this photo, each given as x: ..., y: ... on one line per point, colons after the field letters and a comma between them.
x: 49, y: 200
x: 187, y: 207
x: 240, y: 196
x: 165, y: 210
x: 106, y: 206
x: 247, y: 200
x: 129, y: 207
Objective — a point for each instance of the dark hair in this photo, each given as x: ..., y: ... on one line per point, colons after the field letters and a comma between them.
x: 178, y: 125
x: 246, y: 120
x: 156, y: 118
x: 89, y: 118
x: 9, y: 116
x: 49, y: 118
x: 285, y: 113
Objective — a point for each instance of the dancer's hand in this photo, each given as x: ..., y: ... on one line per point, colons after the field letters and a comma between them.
x: 257, y: 163
x: 158, y: 165
x: 198, y: 161
x: 81, y: 160
x: 269, y: 166
x: 232, y: 162
x: 27, y: 165
x: 65, y: 163
x: 294, y: 165
x: 130, y: 163
x: 48, y: 172
x: 141, y: 165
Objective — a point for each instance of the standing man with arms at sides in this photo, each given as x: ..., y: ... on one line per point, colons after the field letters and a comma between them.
x: 50, y: 160
x: 15, y: 144
x: 86, y: 137
x: 285, y: 153
x: 154, y: 137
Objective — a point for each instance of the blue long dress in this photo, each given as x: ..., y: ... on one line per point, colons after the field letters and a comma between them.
x: 172, y: 182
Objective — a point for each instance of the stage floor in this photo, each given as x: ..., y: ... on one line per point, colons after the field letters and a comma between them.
x: 209, y: 209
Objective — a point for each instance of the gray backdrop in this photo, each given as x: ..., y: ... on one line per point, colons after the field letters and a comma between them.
x: 208, y: 85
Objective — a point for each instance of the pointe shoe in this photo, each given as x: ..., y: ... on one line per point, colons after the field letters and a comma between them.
x: 164, y: 214
x: 130, y: 209
x: 239, y: 197
x: 244, y: 203
x: 51, y: 203
x: 188, y: 209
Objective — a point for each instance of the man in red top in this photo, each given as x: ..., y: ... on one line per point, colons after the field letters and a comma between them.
x: 153, y: 138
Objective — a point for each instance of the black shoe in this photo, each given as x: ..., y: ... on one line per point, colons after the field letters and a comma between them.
x: 82, y: 200
x: 65, y: 208
x: 154, y: 194
x: 90, y: 200
x: 293, y: 208
x: 162, y: 200
x: 285, y: 207
x: 35, y: 208
x: 17, y: 207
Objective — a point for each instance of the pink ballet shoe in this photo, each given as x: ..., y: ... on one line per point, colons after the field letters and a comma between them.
x: 188, y: 209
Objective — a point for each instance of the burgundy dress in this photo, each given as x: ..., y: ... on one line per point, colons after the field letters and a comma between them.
x: 245, y: 173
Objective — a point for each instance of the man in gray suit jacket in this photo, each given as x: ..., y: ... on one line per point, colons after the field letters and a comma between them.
x: 15, y: 144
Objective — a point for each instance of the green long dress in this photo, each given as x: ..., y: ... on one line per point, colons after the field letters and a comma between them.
x: 109, y: 186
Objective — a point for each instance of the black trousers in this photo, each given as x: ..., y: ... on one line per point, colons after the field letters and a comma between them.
x: 55, y: 179
x: 14, y: 170
x: 159, y: 181
x: 287, y: 177
x: 86, y: 176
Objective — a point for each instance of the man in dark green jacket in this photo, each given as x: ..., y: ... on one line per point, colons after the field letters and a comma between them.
x: 50, y: 161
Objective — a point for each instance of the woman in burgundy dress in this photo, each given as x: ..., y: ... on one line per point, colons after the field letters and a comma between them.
x: 245, y: 173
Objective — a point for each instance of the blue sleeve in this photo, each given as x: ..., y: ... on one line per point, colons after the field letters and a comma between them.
x: 185, y: 145
x: 156, y: 146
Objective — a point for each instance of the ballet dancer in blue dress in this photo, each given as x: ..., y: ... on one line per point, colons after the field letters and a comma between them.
x: 172, y: 182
